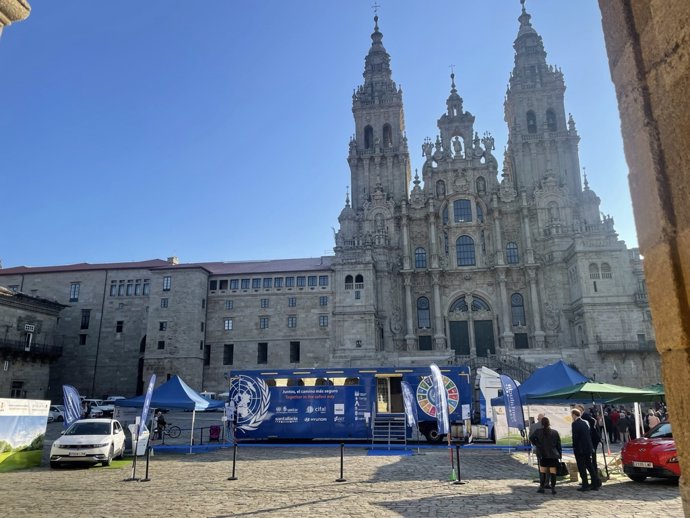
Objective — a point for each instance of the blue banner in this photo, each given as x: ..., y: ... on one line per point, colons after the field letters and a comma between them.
x: 441, y: 400
x: 511, y: 399
x: 72, y: 404
x: 410, y: 404
x: 147, y: 404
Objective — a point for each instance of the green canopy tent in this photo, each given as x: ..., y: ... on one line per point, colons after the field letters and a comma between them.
x: 596, y: 393
x: 656, y: 393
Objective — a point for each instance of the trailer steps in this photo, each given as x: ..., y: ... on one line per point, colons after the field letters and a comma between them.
x: 389, y: 429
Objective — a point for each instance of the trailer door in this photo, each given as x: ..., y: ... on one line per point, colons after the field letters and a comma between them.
x: 389, y: 393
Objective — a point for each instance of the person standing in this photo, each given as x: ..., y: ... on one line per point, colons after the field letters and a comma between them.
x: 609, y: 426
x: 548, y: 444
x: 652, y: 419
x: 582, y: 448
x: 533, y: 428
x: 615, y: 415
x: 623, y: 426
x: 160, y: 424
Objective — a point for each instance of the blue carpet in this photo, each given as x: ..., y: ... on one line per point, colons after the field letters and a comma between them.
x: 384, y: 453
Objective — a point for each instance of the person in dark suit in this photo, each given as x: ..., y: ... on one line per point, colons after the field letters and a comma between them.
x: 582, y: 448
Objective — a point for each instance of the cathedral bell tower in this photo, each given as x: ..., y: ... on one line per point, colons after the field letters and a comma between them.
x: 378, y: 154
x: 542, y: 142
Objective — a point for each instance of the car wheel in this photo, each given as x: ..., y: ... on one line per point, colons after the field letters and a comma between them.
x: 433, y: 436
x: 54, y: 464
x: 110, y: 456
x: 121, y: 453
x: 637, y: 478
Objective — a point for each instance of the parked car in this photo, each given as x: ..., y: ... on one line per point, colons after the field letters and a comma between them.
x: 97, y: 408
x: 652, y: 455
x: 56, y: 413
x: 89, y: 440
x: 108, y: 405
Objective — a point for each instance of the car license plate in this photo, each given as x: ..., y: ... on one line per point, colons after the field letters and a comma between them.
x: 638, y: 464
x: 77, y: 454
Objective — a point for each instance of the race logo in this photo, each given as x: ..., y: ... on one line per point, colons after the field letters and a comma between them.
x: 250, y: 398
x: 426, y: 395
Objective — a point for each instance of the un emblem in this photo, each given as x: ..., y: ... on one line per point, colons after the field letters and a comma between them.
x: 251, y: 398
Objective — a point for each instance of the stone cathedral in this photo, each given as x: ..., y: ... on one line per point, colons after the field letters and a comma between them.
x: 503, y: 261
x: 481, y: 257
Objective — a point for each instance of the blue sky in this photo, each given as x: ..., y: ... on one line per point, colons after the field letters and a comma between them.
x: 220, y: 132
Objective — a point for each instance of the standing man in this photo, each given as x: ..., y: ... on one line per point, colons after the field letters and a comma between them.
x: 533, y: 428
x: 582, y: 448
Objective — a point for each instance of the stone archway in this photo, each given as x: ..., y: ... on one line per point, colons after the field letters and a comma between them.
x: 471, y: 329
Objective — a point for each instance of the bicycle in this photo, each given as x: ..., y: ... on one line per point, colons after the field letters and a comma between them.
x: 171, y: 431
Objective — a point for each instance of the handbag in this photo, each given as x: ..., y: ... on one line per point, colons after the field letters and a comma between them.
x: 562, y: 469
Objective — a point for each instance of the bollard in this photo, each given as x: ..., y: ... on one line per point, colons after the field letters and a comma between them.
x: 148, y: 459
x: 234, y: 460
x: 457, y: 462
x: 342, y: 455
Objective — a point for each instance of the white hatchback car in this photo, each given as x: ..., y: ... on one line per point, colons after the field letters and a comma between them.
x: 89, y: 440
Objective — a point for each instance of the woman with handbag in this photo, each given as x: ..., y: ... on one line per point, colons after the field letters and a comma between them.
x: 548, y: 444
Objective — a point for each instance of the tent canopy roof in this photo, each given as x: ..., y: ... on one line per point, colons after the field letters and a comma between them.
x: 596, y: 392
x: 174, y: 393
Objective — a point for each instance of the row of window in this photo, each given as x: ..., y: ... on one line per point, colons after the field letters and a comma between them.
x: 265, y: 303
x: 356, y: 282
x: 466, y: 248
x: 261, y: 353
x: 264, y: 322
x: 369, y: 140
x: 603, y: 272
x: 127, y: 288
x: 551, y: 124
x: 517, y: 307
x: 269, y: 282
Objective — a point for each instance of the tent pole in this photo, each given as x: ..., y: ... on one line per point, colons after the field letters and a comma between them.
x: 606, y: 438
x: 191, y: 435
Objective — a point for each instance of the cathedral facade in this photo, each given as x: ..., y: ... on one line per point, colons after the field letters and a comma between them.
x: 482, y: 259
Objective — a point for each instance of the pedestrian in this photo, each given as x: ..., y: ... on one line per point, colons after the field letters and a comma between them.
x: 652, y: 419
x: 582, y: 448
x: 615, y: 416
x: 533, y: 428
x: 594, y: 435
x: 160, y: 425
x: 623, y: 428
x: 609, y: 426
x: 549, y: 452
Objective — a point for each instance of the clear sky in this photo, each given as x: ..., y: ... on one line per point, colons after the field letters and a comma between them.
x: 218, y: 131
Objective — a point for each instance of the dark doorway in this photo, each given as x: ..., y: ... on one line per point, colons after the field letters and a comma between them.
x: 459, y: 338
x: 484, y: 337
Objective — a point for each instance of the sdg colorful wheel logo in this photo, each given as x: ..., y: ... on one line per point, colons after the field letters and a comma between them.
x: 426, y: 395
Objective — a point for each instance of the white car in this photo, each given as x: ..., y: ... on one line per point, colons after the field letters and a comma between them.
x: 56, y: 413
x: 89, y: 440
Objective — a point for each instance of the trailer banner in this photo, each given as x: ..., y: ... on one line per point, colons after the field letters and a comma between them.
x: 511, y: 398
x: 441, y: 399
x: 299, y: 411
x: 410, y: 404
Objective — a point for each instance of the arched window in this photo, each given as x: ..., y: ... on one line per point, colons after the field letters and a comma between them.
x: 323, y: 381
x: 480, y: 213
x: 440, y: 188
x: 517, y: 308
x: 462, y: 211
x: 387, y: 136
x: 551, y: 120
x: 554, y: 212
x: 512, y: 254
x: 481, y: 185
x: 531, y: 122
x: 295, y: 382
x: 359, y: 281
x: 479, y: 304
x: 348, y: 282
x: 420, y: 258
x: 351, y: 381
x: 593, y: 271
x: 460, y: 305
x: 464, y: 250
x: 423, y: 313
x: 606, y: 271
x: 368, y: 137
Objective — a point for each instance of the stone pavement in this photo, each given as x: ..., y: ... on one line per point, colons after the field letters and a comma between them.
x: 300, y: 481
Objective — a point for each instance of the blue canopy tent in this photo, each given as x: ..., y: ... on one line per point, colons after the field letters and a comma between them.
x: 175, y: 393
x: 546, y: 379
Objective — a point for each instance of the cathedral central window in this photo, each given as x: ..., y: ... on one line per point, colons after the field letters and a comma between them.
x: 462, y: 211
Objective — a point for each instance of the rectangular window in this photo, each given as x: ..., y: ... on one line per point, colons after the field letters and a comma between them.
x: 264, y: 303
x: 201, y: 327
x: 17, y: 389
x: 161, y: 344
x: 167, y: 283
x: 311, y: 280
x: 462, y: 211
x: 323, y: 320
x: 292, y: 321
x: 262, y: 353
x: 263, y: 322
x: 234, y: 284
x: 278, y: 282
x: 213, y: 285
x: 113, y: 288
x: 228, y: 354
x: 147, y: 287
x: 292, y: 302
x: 245, y: 284
x: 268, y: 282
x: 203, y: 303
x: 227, y: 324
x: 163, y: 325
x: 74, y: 292
x: 294, y: 352
x: 119, y: 325
x: 301, y: 281
x: 82, y: 339
x: 164, y: 303
x: 207, y: 355
x: 85, y: 318
x: 358, y: 294
x: 289, y: 282
x: 425, y: 343
x: 130, y: 288
x: 256, y: 284
x: 323, y: 301
x: 228, y: 304
x: 137, y: 287
x: 521, y: 341
x: 323, y: 280
x: 223, y: 284
x: 121, y: 289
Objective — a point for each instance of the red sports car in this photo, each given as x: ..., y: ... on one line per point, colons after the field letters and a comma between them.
x: 652, y: 455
